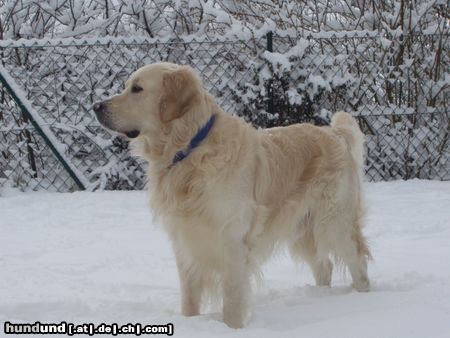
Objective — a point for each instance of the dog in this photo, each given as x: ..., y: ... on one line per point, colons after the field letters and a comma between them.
x: 230, y: 195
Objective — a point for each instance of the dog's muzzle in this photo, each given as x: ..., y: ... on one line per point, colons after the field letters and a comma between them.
x: 103, y: 116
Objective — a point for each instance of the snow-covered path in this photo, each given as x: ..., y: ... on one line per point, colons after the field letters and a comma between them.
x: 96, y: 257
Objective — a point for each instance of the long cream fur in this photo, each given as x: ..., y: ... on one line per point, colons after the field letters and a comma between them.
x: 244, y: 192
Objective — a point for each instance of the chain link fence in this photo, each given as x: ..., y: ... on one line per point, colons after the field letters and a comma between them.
x: 401, y: 101
x: 26, y: 160
x: 397, y: 86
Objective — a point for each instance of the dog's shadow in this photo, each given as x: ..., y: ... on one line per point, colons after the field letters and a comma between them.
x: 282, y: 309
x: 291, y: 307
x: 298, y: 295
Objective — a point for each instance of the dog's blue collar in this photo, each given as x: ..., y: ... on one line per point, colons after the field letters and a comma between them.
x: 195, y: 141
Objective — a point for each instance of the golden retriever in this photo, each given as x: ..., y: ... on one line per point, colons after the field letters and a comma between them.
x: 229, y: 195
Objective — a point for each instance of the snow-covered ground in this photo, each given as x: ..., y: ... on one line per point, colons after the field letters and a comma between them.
x: 96, y: 257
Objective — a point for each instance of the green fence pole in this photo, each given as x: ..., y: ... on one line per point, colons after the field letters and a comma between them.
x: 38, y: 128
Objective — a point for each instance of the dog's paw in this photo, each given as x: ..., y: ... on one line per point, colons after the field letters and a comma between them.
x: 234, y: 323
x: 234, y: 319
x: 362, y: 286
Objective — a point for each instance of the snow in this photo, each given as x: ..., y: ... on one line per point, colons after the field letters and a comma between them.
x: 96, y: 257
x: 278, y: 61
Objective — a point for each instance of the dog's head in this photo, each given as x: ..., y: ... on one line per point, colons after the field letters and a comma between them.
x: 154, y: 96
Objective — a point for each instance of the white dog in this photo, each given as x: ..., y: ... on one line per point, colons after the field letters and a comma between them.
x: 229, y: 195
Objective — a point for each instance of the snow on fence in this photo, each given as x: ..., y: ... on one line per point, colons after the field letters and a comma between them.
x: 397, y: 86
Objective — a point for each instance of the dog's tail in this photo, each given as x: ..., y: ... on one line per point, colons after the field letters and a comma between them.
x: 347, y: 126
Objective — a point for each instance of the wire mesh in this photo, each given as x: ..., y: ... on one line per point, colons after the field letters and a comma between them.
x: 400, y: 102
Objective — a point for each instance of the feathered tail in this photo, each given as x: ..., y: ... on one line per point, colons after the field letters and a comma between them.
x: 347, y: 126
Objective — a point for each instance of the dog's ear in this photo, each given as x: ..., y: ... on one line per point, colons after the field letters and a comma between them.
x: 181, y: 89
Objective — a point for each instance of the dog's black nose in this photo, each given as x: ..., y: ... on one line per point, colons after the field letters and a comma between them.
x: 98, y: 107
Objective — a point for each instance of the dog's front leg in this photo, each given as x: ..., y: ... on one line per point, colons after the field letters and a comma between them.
x: 236, y: 286
x: 190, y: 286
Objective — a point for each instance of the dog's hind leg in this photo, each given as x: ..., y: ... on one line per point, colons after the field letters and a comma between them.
x: 322, y: 268
x: 353, y: 250
x: 322, y: 271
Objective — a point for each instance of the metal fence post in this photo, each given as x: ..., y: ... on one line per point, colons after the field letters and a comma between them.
x: 270, y: 104
x: 29, y: 117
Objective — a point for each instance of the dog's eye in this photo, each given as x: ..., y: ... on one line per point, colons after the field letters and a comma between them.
x: 136, y: 89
